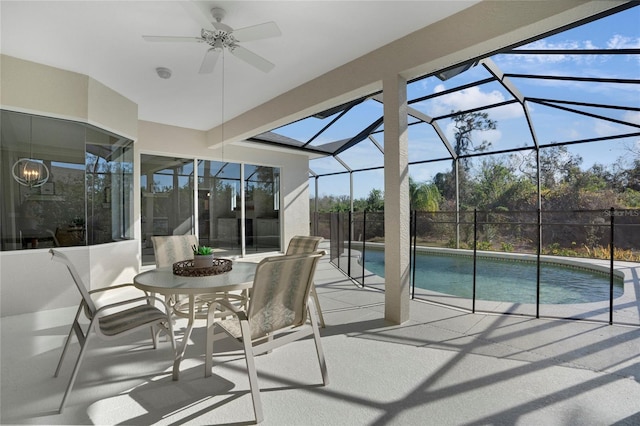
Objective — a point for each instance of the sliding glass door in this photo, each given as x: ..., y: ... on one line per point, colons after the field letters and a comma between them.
x: 262, y: 207
x: 231, y: 222
x: 167, y: 207
x: 237, y: 206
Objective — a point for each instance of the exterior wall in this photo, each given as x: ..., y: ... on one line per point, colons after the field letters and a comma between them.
x: 29, y: 280
x: 40, y: 89
x: 30, y: 87
x: 111, y: 111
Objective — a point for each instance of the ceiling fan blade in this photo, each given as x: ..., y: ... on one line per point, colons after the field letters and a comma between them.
x: 251, y: 58
x: 257, y: 32
x: 209, y: 61
x: 222, y: 27
x: 172, y: 39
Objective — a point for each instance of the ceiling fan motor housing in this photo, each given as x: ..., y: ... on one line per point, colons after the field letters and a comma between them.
x: 217, y: 39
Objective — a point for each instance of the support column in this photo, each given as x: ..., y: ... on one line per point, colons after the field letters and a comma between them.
x: 396, y: 200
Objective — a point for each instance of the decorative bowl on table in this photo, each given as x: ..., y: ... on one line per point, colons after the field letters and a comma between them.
x: 186, y: 268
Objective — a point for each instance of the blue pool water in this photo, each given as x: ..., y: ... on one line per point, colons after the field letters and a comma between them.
x: 505, y: 281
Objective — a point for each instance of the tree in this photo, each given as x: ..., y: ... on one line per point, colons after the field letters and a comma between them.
x: 331, y: 203
x: 445, y: 182
x: 497, y: 187
x: 465, y: 125
x: 424, y: 196
x: 375, y: 201
x: 631, y: 176
x: 557, y: 165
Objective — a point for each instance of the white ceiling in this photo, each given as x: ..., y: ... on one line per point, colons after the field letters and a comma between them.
x: 103, y: 39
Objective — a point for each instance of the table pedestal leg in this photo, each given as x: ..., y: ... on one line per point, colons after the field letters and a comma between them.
x: 208, y: 353
x: 185, y: 339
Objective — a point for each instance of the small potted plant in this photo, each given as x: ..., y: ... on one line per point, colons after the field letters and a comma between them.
x: 202, y: 256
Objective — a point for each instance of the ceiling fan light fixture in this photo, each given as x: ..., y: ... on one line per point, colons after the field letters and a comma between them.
x: 218, y: 45
x: 217, y: 39
x: 163, y: 72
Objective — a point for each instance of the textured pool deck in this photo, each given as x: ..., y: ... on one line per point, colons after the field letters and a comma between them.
x: 443, y: 367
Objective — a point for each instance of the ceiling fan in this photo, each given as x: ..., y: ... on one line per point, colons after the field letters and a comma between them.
x: 222, y: 36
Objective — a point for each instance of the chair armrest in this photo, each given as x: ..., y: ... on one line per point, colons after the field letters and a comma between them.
x: 229, y: 307
x: 131, y: 301
x: 114, y: 287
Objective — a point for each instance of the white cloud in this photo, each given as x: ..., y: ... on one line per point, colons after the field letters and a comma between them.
x: 632, y: 117
x: 573, y: 133
x: 623, y: 42
x: 616, y: 41
x: 473, y: 97
x: 439, y: 88
x: 603, y: 128
x: 527, y: 60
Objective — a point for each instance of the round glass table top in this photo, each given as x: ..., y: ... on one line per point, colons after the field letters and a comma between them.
x: 164, y: 281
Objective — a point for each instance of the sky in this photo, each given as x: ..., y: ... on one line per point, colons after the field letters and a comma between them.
x: 551, y: 125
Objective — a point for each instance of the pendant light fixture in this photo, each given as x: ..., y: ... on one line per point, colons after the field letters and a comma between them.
x: 29, y: 171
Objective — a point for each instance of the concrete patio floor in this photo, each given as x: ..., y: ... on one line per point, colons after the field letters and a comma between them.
x: 443, y: 367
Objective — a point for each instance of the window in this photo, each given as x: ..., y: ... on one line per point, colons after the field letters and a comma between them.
x: 79, y: 195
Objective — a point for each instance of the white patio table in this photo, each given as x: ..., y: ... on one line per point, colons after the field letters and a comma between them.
x: 164, y: 281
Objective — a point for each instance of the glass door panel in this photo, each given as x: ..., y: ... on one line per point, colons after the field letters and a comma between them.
x: 220, y: 207
x: 167, y: 205
x: 262, y: 204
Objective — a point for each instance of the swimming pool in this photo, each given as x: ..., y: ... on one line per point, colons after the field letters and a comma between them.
x: 504, y: 280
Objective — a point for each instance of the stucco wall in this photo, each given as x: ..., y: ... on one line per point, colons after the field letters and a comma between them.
x: 40, y: 89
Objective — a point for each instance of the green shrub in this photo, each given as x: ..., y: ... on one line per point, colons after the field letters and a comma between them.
x: 507, y: 247
x: 484, y: 245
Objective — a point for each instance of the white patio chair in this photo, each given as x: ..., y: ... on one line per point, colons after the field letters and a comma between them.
x: 110, y: 321
x: 276, y: 314
x: 307, y: 244
x: 169, y: 249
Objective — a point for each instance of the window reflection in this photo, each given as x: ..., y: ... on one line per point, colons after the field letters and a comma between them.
x: 167, y: 208
x: 219, y: 206
x: 86, y: 197
x: 226, y: 219
x: 232, y: 218
x: 262, y: 203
